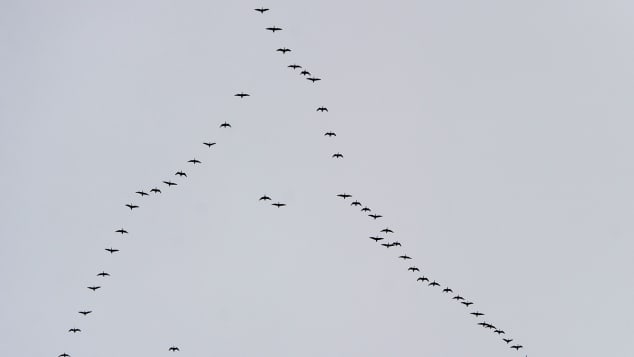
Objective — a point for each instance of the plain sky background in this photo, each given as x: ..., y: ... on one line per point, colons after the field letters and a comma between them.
x: 495, y: 137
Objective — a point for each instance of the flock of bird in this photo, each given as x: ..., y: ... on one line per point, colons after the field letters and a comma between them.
x: 381, y: 236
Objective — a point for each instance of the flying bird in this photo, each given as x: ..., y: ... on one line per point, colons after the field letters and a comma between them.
x: 507, y: 340
x: 74, y: 330
x: 376, y: 239
x: 131, y: 206
x: 122, y: 231
x: 103, y: 274
x: 413, y: 269
x: 433, y: 283
x: 477, y: 314
x: 517, y: 347
x: 195, y: 161
x: 500, y: 332
x: 261, y: 10
x: 170, y: 183
x: 294, y: 66
x: 241, y: 95
x: 174, y: 349
x: 283, y: 50
x: 337, y: 156
x: 225, y: 125
x: 111, y: 250
x: 155, y: 190
x: 458, y: 297
x: 387, y: 245
x: 94, y: 288
x: 365, y: 209
x: 209, y: 144
x: 64, y: 355
x: 387, y: 230
x: 304, y: 73
x: 142, y: 193
x: 396, y: 243
x: 330, y: 133
x: 344, y: 195
x: 405, y: 257
x: 355, y: 203
x: 467, y: 303
x: 489, y: 326
x: 322, y: 109
x: 483, y: 323
x: 274, y: 28
x: 278, y: 205
x: 265, y: 198
x: 375, y: 216
x: 447, y: 290
x: 181, y: 173
x: 313, y: 79
x: 85, y: 312
x: 422, y: 278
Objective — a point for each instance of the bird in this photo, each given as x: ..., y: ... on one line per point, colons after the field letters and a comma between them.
x: 405, y: 257
x: 225, y: 125
x: 422, y: 278
x: 181, y: 173
x: 195, y: 161
x: 122, y: 231
x: 376, y: 239
x: 499, y: 332
x: 241, y: 95
x: 517, y: 347
x: 489, y: 326
x: 94, y: 288
x: 155, y: 190
x: 170, y: 183
x: 294, y: 66
x: 74, y: 330
x: 396, y: 243
x: 274, y: 28
x: 483, y: 323
x: 330, y: 133
x: 142, y: 193
x: 278, y: 205
x: 265, y: 198
x: 209, y: 144
x: 103, y: 273
x: 304, y: 73
x: 413, y: 269
x: 131, y: 206
x: 467, y: 303
x: 344, y: 195
x: 261, y: 10
x: 322, y: 109
x: 458, y: 298
x: 64, y: 355
x: 111, y: 250
x: 387, y: 230
x: 365, y: 209
x: 355, y: 203
x: 313, y: 79
x: 375, y: 216
x: 477, y: 314
x: 174, y: 349
x: 433, y: 283
x: 507, y: 340
x: 447, y: 290
x: 85, y: 312
x: 283, y: 50
x: 387, y: 245
x: 337, y: 156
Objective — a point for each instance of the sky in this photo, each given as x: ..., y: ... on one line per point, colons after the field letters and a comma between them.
x: 494, y: 138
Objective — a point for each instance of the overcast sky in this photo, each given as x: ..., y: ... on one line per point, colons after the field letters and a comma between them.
x: 495, y: 138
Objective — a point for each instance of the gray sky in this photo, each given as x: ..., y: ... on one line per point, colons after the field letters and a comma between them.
x: 493, y: 136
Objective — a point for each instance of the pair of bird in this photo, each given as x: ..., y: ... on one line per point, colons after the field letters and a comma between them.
x: 267, y: 198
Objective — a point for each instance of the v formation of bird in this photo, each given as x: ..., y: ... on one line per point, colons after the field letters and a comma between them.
x: 380, y: 236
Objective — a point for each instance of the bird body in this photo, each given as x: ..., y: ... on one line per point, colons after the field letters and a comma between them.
x: 265, y: 198
x: 322, y: 109
x: 180, y: 173
x: 142, y: 193
x: 405, y: 257
x: 225, y: 125
x: 294, y: 66
x: 458, y: 297
x: 507, y: 340
x: 365, y: 209
x: 337, y: 156
x: 517, y: 347
x: 174, y: 349
x: 304, y: 73
x: 375, y: 216
x: 170, y: 183
x: 387, y: 245
x: 434, y: 283
x: 413, y: 269
x: 330, y: 133
x: 387, y: 230
x: 194, y: 161
x: 86, y: 312
x: 274, y: 28
x: 278, y: 205
x: 447, y: 290
x: 155, y: 190
x: 131, y: 206
x: 94, y: 288
x: 261, y: 10
x: 376, y: 239
x: 313, y: 79
x: 241, y: 95
x: 344, y: 195
x: 477, y: 314
x: 422, y: 278
x: 111, y: 250
x: 103, y: 274
x: 209, y: 144
x: 122, y: 231
x: 467, y: 303
x: 355, y: 203
x: 74, y: 330
x: 283, y: 50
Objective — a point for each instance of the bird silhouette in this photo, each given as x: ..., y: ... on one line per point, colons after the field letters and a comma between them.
x: 396, y: 243
x: 489, y: 326
x: 283, y: 50
x: 447, y: 290
x: 261, y: 10
x: 181, y: 173
x: 413, y: 269
x: 294, y: 66
x: 155, y: 190
x: 322, y: 109
x: 122, y: 231
x: 483, y: 323
x: 376, y: 239
x: 74, y: 330
x: 170, y: 183
x: 278, y: 205
x: 111, y: 250
x: 500, y: 332
x: 387, y: 245
x: 365, y: 209
x: 225, y: 125
x: 94, y: 288
x: 458, y: 298
x: 64, y: 355
x: 355, y: 203
x: 241, y: 95
x: 405, y: 257
x: 387, y: 230
x: 330, y: 133
x: 131, y: 206
x: 344, y: 195
x: 517, y: 347
x: 466, y: 303
x: 142, y: 193
x: 507, y: 340
x: 375, y: 216
x: 477, y: 314
x: 337, y: 156
x: 174, y: 349
x: 103, y: 274
x: 86, y: 312
x: 195, y: 161
x: 209, y: 144
x: 313, y: 79
x: 304, y: 73
x: 265, y: 198
x: 422, y: 278
x: 274, y: 28
x: 433, y: 283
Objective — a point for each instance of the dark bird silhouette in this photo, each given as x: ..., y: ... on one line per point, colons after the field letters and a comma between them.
x: 273, y: 29
x: 241, y: 95
x: 466, y: 303
x: 396, y: 243
x: 337, y: 156
x: 64, y: 355
x: 86, y: 312
x: 74, y: 330
x: 93, y: 288
x: 181, y: 173
x: 387, y: 230
x: 195, y: 161
x: 278, y: 205
x: 330, y: 133
x: 313, y: 79
x: 294, y: 66
x: 422, y: 278
x: 265, y: 198
x: 155, y: 190
x: 433, y: 283
x: 483, y: 323
x: 122, y: 231
x: 375, y: 216
x: 261, y: 10
x: 477, y: 314
x: 489, y: 326
x: 322, y: 109
x: 413, y: 269
x: 111, y: 250
x: 131, y: 206
x: 283, y: 50
x: 365, y: 209
x: 355, y: 203
x: 507, y: 340
x: 500, y: 332
x: 142, y: 193
x: 387, y: 245
x: 517, y: 347
x: 225, y: 125
x: 447, y: 290
x: 209, y: 144
x: 458, y: 297
x: 174, y: 349
x: 170, y: 183
x: 304, y: 73
x: 404, y: 257
x: 344, y: 195
x: 376, y: 239
x: 103, y: 273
